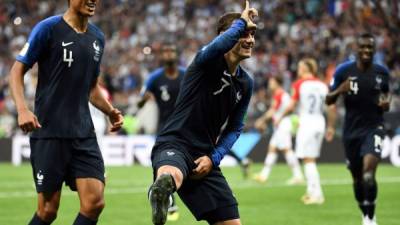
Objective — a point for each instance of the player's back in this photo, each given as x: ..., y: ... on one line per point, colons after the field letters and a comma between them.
x: 311, y: 94
x: 361, y: 102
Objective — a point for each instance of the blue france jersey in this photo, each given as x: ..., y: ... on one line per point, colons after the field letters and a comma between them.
x: 68, y: 64
x: 361, y: 102
x: 165, y: 91
x: 210, y: 97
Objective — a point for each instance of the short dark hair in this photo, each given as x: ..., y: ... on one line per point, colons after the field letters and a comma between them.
x: 225, y: 21
x: 367, y: 35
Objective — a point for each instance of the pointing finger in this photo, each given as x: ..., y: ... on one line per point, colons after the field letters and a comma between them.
x: 247, y: 5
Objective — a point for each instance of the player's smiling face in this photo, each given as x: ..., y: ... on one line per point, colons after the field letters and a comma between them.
x: 366, y: 49
x: 245, y: 44
x: 84, y: 7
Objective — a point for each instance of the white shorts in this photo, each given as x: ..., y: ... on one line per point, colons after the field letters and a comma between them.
x: 309, y: 137
x: 282, y: 136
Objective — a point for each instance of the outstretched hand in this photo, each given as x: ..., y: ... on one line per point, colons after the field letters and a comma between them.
x: 248, y: 15
x: 116, y: 120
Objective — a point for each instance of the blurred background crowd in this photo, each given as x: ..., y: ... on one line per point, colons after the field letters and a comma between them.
x: 288, y: 31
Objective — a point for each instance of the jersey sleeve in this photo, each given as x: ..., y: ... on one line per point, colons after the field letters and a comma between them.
x: 296, y: 90
x: 277, y: 100
x: 103, y: 45
x: 222, y: 43
x: 149, y: 84
x: 338, y: 77
x: 36, y: 45
x: 233, y: 129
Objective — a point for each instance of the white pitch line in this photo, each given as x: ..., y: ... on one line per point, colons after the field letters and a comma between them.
x: 142, y: 189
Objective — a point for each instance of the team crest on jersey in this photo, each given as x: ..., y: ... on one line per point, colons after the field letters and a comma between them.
x: 378, y: 80
x: 96, y: 51
x: 238, y: 96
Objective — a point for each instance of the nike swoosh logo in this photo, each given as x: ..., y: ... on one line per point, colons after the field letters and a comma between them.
x: 66, y: 44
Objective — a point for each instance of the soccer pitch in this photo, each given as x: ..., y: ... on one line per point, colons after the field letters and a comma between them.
x: 273, y: 203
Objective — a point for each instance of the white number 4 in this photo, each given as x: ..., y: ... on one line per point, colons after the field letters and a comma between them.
x: 353, y: 87
x: 68, y: 60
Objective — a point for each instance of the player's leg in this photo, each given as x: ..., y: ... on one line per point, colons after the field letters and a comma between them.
x: 314, y: 190
x: 48, y: 166
x: 170, y: 166
x: 284, y: 143
x: 86, y: 175
x: 91, y: 196
x: 371, y: 150
x: 211, y: 199
x: 294, y: 164
x: 269, y: 162
x: 243, y: 163
x: 370, y: 187
x: 48, y: 204
x: 355, y: 167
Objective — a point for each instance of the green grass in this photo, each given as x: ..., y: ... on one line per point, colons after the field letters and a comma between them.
x: 259, y: 204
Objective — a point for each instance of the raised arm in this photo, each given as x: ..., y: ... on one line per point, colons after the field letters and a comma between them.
x: 226, y: 40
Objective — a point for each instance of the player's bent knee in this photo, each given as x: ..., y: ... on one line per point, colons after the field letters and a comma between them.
x: 173, y: 171
x: 48, y: 214
x: 369, y: 178
x: 92, y: 207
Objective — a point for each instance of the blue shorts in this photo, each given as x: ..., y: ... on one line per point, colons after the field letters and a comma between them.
x: 357, y: 148
x: 209, y: 198
x: 55, y: 160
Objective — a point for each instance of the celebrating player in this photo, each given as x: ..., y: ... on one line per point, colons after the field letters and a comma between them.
x: 68, y: 50
x: 365, y: 88
x: 191, y: 145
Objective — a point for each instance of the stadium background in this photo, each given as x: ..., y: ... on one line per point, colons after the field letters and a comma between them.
x: 135, y: 30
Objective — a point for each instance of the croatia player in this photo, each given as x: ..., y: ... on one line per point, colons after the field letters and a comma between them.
x: 281, y: 139
x: 309, y: 93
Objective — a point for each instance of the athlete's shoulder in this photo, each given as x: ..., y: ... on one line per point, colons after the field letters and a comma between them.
x: 381, y: 69
x: 181, y: 70
x: 155, y: 74
x: 246, y: 75
x: 97, y: 32
x: 345, y: 66
x: 50, y: 21
x: 44, y: 26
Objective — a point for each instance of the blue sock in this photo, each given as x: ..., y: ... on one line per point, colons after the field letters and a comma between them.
x: 83, y: 220
x: 37, y: 221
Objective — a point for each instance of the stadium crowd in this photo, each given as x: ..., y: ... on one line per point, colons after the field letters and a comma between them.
x: 135, y: 31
